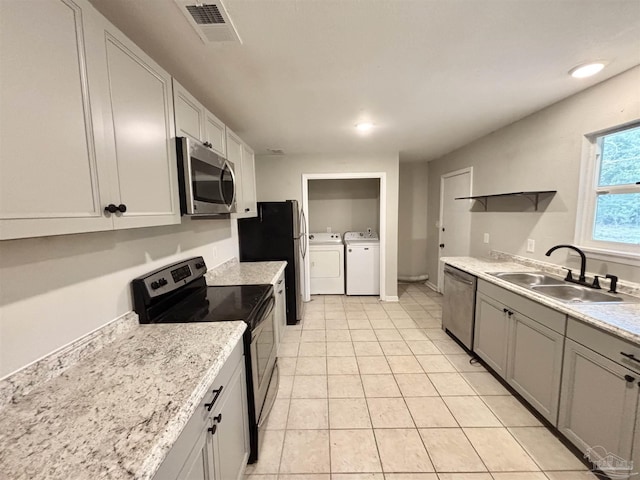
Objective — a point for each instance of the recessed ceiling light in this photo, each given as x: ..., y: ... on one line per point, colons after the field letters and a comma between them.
x: 364, y: 126
x: 586, y: 70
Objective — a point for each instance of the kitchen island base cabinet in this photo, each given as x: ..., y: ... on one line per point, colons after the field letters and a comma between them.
x: 214, y: 444
x: 598, y: 403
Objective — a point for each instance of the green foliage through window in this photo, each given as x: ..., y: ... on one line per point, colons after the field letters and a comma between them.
x: 620, y: 158
x: 617, y: 217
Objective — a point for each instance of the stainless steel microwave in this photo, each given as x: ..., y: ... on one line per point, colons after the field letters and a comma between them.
x: 207, y: 181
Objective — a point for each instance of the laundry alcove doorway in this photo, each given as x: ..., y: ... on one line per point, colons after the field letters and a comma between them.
x: 342, y: 202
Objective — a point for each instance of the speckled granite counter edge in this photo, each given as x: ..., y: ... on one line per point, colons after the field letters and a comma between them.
x: 26, y: 379
x: 553, y: 269
x: 233, y: 272
x: 174, y: 428
x: 508, y: 264
x: 472, y: 265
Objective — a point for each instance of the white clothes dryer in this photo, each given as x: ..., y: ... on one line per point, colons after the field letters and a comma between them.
x: 362, y: 252
x: 326, y: 260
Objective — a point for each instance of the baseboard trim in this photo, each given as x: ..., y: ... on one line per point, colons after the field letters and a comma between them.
x: 432, y: 286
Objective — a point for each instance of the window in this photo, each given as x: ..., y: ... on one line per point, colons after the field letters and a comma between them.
x: 609, y: 220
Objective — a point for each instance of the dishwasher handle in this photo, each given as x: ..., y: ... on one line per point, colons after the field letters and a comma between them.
x: 457, y: 277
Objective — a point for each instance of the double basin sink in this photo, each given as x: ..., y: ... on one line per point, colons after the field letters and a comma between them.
x: 556, y: 288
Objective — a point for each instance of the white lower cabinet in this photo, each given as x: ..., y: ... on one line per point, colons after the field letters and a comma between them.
x: 280, y: 308
x: 522, y: 341
x: 599, y: 400
x: 86, y: 124
x: 214, y: 445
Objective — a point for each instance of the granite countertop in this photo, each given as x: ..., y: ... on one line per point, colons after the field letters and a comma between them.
x: 620, y: 319
x: 116, y: 413
x: 245, y: 273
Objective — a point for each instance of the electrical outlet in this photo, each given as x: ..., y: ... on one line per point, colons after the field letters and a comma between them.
x: 486, y: 238
x: 531, y: 245
x: 328, y: 229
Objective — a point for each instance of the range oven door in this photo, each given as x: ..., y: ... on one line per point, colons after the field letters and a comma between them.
x: 263, y: 358
x: 207, y: 181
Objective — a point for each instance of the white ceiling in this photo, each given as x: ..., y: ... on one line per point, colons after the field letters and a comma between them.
x: 431, y: 74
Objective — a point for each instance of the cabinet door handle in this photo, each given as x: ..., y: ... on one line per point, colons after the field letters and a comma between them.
x: 212, y: 429
x: 505, y: 310
x: 216, y: 394
x: 111, y: 208
x: 122, y: 208
x: 629, y: 378
x: 281, y: 280
x: 630, y: 356
x: 218, y: 418
x: 279, y: 291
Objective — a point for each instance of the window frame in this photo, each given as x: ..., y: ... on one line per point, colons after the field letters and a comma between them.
x: 587, y: 202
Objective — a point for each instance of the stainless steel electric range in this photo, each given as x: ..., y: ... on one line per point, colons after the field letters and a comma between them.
x: 178, y: 293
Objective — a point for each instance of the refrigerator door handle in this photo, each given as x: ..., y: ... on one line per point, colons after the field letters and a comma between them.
x: 303, y: 239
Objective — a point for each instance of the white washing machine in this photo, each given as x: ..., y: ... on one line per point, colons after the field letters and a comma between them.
x: 362, y: 265
x: 326, y: 259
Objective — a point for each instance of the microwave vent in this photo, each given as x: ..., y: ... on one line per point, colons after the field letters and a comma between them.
x: 210, y: 20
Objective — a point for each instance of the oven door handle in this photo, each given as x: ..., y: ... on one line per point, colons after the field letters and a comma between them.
x: 264, y: 313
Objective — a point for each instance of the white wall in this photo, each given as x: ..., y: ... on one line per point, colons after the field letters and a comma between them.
x: 54, y: 290
x: 412, y: 219
x: 344, y: 204
x: 280, y: 178
x: 540, y: 152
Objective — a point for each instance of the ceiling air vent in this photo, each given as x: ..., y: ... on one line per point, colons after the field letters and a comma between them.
x: 210, y: 21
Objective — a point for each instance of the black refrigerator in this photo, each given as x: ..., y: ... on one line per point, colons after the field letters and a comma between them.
x: 277, y: 233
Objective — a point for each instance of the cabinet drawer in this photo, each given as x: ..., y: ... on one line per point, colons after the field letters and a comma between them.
x: 547, y: 316
x: 604, y: 343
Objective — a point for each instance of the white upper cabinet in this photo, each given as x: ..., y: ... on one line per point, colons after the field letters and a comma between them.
x: 215, y: 133
x: 195, y: 121
x: 86, y: 124
x: 243, y: 161
x: 51, y: 142
x: 248, y: 183
x: 144, y: 150
x: 189, y: 114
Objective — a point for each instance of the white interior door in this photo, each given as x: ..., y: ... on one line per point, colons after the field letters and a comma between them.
x: 455, y: 217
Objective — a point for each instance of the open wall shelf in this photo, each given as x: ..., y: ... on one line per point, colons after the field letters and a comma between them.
x: 533, y: 196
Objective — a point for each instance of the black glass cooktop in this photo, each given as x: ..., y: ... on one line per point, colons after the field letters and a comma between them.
x: 217, y: 304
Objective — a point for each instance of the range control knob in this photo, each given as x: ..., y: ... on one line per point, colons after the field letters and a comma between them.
x: 155, y: 285
x: 162, y: 282
x: 200, y: 265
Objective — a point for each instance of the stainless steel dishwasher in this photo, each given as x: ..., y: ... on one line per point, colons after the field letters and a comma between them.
x: 459, y: 306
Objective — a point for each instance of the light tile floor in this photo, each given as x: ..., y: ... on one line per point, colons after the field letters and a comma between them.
x: 377, y: 391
